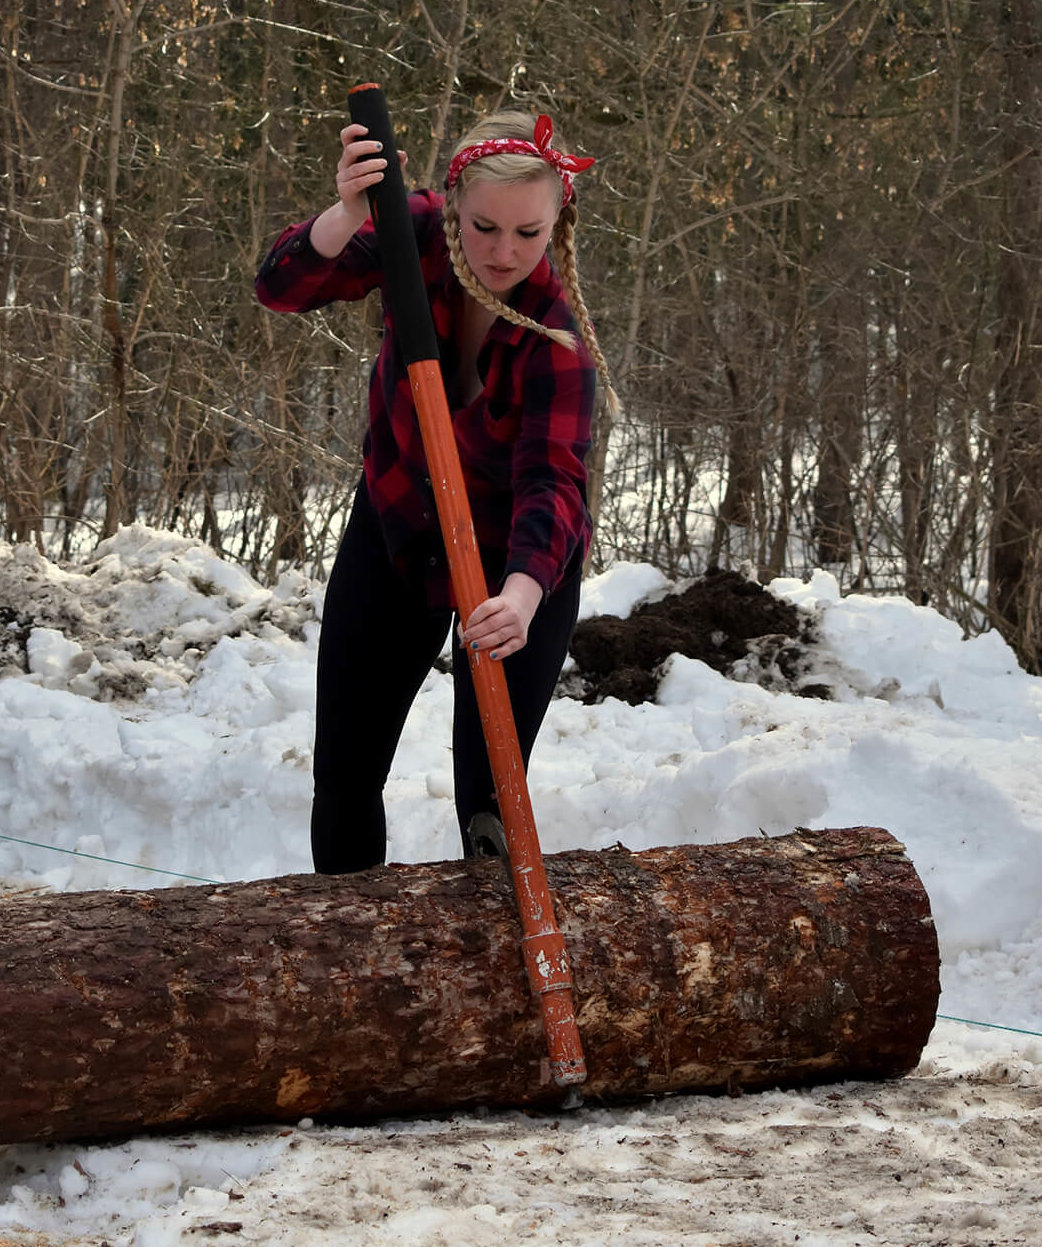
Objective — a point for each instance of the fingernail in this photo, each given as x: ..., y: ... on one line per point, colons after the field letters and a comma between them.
x: 473, y: 645
x: 379, y: 146
x: 495, y: 654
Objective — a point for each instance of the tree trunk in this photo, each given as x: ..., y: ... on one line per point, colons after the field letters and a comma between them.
x: 118, y: 508
x: 807, y: 958
x: 1016, y: 541
x: 840, y: 315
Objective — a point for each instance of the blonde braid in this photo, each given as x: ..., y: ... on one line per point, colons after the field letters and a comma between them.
x: 564, y: 253
x: 484, y: 296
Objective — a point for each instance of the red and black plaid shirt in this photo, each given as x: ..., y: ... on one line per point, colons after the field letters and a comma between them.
x: 522, y: 441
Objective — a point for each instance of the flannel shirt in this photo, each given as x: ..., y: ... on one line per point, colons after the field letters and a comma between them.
x: 522, y: 441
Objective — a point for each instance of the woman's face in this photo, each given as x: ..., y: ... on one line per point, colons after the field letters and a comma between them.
x: 505, y: 228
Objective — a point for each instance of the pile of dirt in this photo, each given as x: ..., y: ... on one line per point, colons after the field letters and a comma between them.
x: 731, y: 623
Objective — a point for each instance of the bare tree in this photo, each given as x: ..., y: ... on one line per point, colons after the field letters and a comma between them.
x: 1016, y: 544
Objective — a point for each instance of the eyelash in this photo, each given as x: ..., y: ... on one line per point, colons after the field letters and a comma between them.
x: 489, y: 229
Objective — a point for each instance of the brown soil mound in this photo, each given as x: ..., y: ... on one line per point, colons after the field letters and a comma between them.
x: 729, y: 622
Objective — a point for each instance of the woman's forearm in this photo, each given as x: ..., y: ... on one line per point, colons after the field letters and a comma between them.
x: 333, y: 229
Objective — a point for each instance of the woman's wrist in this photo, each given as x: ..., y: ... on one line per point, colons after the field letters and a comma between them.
x: 333, y: 229
x: 524, y: 592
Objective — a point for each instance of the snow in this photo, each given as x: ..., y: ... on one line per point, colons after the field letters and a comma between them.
x: 165, y: 722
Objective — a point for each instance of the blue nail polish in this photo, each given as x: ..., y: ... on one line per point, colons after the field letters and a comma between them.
x: 473, y: 645
x: 495, y: 654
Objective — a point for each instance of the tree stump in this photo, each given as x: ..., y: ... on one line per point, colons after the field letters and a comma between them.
x: 766, y: 962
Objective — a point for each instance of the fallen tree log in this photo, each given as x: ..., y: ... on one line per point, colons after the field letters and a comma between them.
x: 806, y: 958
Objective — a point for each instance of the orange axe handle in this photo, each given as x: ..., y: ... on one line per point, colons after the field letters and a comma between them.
x: 543, y: 947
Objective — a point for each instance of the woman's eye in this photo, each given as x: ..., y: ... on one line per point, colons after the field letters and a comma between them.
x: 484, y: 229
x: 528, y: 233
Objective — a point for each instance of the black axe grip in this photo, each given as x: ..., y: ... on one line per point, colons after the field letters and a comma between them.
x: 389, y: 205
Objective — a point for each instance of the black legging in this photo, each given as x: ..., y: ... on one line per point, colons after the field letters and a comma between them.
x: 379, y: 640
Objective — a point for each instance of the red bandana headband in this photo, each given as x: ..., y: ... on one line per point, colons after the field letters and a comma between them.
x: 564, y: 166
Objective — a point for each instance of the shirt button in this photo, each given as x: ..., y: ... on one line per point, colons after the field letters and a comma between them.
x: 433, y: 560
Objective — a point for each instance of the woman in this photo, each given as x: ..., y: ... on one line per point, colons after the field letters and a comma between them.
x: 519, y: 359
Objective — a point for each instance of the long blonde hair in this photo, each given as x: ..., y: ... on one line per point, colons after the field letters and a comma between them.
x: 511, y: 167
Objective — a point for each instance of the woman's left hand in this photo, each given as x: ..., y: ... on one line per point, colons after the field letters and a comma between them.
x: 500, y: 623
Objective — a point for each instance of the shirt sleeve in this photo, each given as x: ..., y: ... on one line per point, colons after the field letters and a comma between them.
x: 294, y: 277
x: 551, y: 522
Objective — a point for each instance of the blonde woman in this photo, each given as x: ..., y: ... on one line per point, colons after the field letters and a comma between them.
x: 519, y: 359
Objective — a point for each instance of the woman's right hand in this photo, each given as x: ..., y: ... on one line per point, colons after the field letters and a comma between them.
x: 361, y: 166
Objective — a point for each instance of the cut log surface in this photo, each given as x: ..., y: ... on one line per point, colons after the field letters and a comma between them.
x: 767, y: 962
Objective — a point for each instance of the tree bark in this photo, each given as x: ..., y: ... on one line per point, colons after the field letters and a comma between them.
x: 767, y: 962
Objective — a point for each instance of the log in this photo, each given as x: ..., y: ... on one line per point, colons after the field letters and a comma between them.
x: 767, y: 962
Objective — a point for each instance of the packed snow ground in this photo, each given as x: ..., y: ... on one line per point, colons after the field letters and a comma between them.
x: 165, y: 721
